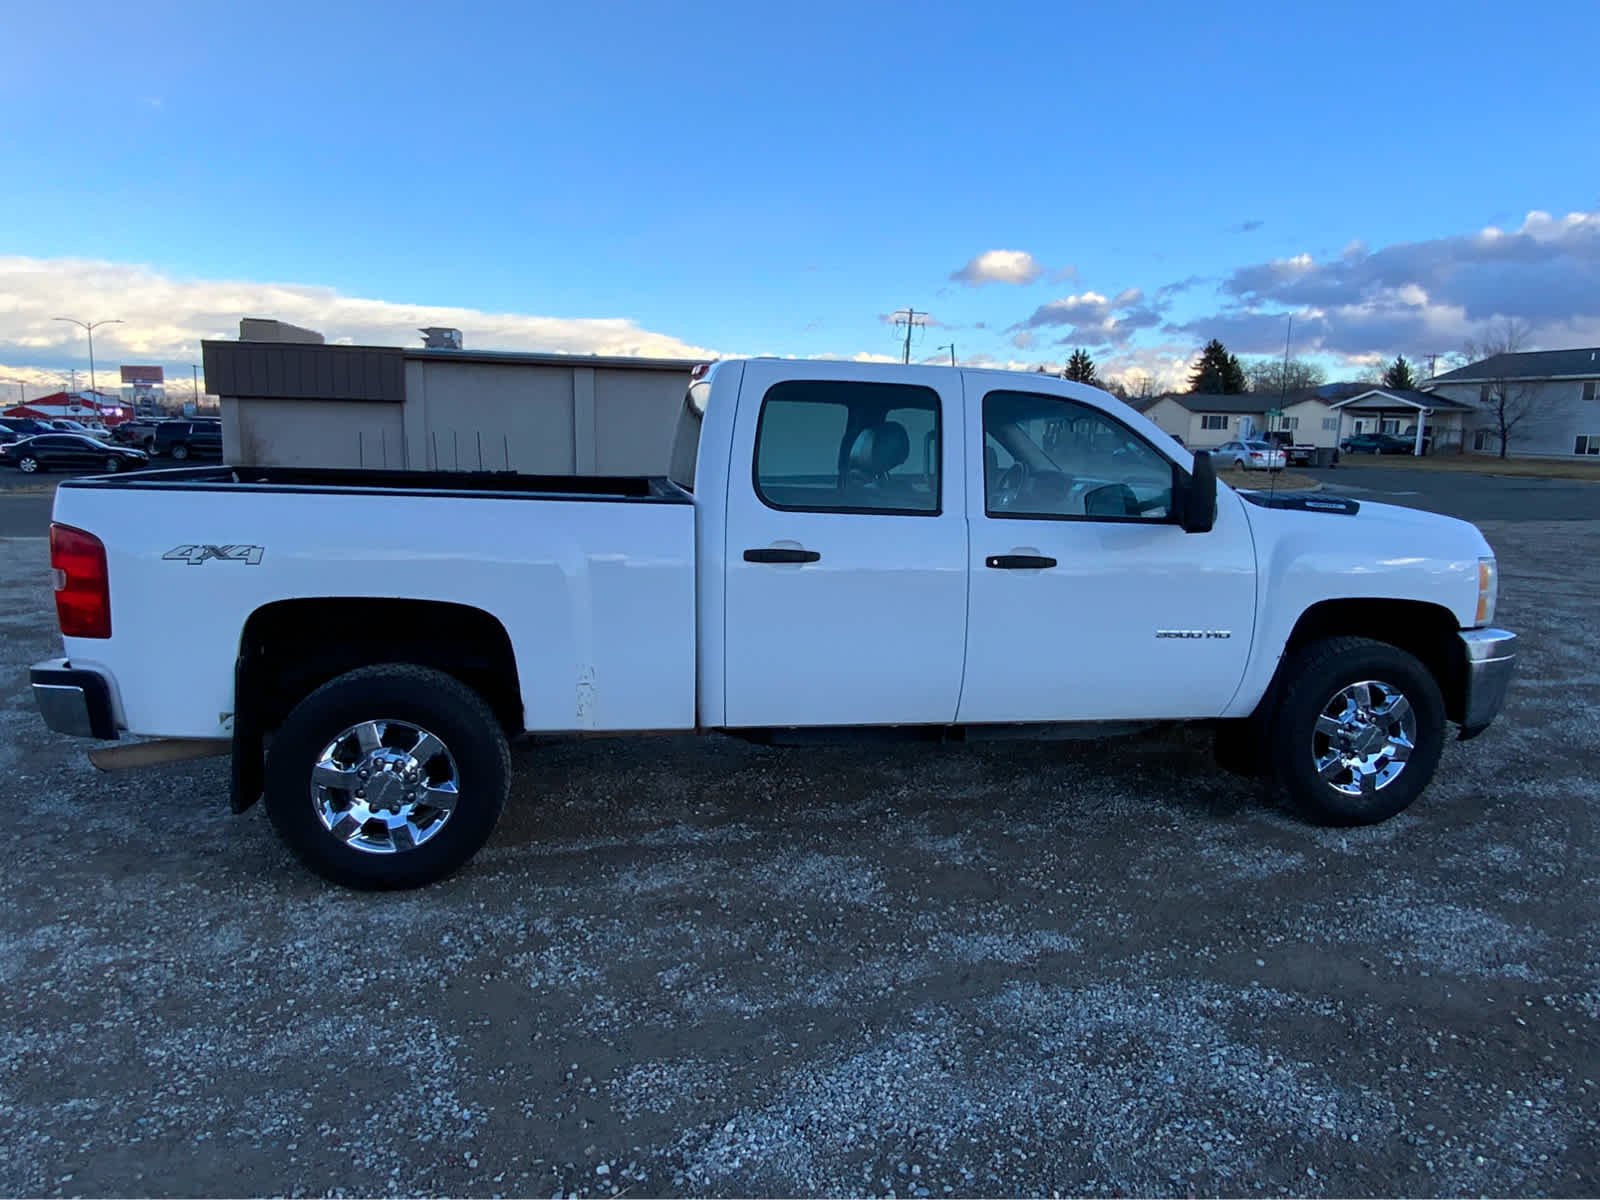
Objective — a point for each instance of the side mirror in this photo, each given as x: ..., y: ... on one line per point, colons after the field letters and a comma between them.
x: 1197, y: 511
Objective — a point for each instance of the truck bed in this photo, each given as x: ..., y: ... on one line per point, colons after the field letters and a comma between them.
x: 650, y: 489
x: 593, y: 587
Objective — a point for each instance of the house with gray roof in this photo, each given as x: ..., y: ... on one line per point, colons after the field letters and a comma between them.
x: 1556, y: 391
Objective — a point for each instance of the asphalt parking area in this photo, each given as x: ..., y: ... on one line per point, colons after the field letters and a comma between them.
x: 700, y: 966
x: 1472, y: 497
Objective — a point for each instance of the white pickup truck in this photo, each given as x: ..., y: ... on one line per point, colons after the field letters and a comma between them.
x: 959, y: 552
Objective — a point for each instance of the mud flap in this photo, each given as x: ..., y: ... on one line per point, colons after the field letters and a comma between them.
x: 249, y: 764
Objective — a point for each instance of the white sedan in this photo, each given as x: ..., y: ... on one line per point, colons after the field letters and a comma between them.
x: 1249, y: 456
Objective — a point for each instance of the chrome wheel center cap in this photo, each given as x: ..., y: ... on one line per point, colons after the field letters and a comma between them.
x: 387, y: 791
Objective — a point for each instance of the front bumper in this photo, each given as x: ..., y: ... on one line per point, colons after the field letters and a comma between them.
x: 1490, y: 656
x: 72, y: 700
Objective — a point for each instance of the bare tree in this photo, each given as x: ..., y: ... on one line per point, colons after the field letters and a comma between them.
x: 1507, y: 401
x: 1269, y: 376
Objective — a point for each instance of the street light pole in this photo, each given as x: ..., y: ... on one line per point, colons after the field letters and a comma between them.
x: 89, y: 327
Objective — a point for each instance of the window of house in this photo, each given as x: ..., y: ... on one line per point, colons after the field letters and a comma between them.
x: 1388, y: 426
x: 1482, y: 439
x: 1589, y: 386
x: 1483, y: 394
x: 1588, y: 443
x: 1213, y: 421
x: 840, y: 446
x: 1051, y: 457
x: 1330, y: 424
x: 1288, y: 422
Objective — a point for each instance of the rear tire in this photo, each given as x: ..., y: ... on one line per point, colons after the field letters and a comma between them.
x: 374, y: 716
x: 29, y: 465
x: 1358, y: 732
x: 180, y: 452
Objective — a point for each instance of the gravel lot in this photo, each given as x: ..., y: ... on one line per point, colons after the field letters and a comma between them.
x: 703, y: 966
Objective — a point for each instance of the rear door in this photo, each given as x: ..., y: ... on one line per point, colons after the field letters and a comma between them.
x: 846, y: 551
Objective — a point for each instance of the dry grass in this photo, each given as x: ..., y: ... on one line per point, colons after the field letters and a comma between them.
x: 1481, y: 464
x: 1262, y: 481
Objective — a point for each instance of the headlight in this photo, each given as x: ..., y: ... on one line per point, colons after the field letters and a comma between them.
x: 1488, y: 589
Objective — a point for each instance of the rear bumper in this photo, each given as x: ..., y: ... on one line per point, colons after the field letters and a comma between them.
x: 72, y: 700
x: 1490, y: 657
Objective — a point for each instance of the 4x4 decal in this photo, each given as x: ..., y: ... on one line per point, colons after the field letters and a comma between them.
x: 195, y: 555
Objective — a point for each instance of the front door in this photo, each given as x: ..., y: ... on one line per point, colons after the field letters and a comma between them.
x: 1087, y: 601
x: 846, y: 553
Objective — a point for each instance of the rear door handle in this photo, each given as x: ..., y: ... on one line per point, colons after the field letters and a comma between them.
x: 771, y: 555
x: 1018, y: 562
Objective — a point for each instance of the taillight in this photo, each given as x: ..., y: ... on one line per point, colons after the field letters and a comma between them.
x: 83, y: 589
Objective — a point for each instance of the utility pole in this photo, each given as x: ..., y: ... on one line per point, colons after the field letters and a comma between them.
x: 952, y: 348
x: 1432, y: 358
x: 89, y: 327
x: 909, y: 316
x: 1283, y: 381
x: 196, y: 372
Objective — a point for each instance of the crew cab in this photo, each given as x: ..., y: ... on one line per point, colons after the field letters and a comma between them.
x: 946, y: 552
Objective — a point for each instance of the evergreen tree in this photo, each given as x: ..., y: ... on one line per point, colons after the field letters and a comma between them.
x: 1217, y: 372
x: 1080, y: 368
x: 1400, y: 376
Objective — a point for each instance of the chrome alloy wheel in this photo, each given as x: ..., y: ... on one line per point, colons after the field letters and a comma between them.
x: 1364, y: 738
x: 384, y: 786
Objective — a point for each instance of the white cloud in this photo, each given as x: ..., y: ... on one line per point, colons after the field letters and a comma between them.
x: 1001, y: 266
x: 165, y: 319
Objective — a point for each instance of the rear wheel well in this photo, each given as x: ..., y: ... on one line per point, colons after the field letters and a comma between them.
x: 291, y: 648
x: 1428, y: 631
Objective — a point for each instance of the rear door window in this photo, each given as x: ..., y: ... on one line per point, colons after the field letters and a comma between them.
x: 841, y: 446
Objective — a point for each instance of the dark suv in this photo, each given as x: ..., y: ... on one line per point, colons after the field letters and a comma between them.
x: 189, y: 439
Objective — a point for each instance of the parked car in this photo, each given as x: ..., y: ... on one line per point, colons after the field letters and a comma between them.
x: 1249, y: 456
x: 812, y: 560
x: 70, y: 452
x: 67, y: 425
x: 1376, y: 443
x: 24, y: 426
x: 189, y: 439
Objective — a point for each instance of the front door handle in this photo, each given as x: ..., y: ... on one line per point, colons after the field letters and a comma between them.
x: 773, y: 555
x: 1018, y: 562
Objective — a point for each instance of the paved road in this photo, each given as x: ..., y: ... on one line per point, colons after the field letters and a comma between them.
x: 1472, y: 497
x: 25, y: 515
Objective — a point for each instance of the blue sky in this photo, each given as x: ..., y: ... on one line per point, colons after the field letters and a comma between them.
x: 730, y: 178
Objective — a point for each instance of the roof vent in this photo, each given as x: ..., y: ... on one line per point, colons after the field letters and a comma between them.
x: 437, y: 337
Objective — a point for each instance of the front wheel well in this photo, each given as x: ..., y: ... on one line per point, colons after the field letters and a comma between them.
x: 1430, y: 632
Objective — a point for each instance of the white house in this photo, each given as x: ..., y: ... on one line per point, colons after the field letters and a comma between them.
x: 1205, y: 420
x: 1560, y: 390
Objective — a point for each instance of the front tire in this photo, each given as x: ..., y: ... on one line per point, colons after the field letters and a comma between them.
x: 113, y: 464
x: 1358, y: 732
x: 390, y: 776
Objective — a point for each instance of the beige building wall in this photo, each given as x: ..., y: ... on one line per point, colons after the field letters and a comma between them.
x: 323, y: 433
x: 532, y: 418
